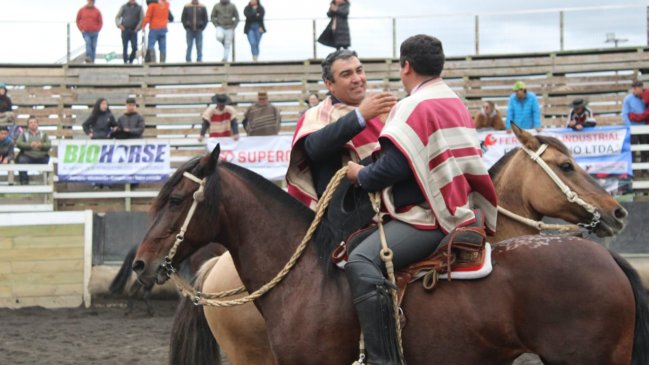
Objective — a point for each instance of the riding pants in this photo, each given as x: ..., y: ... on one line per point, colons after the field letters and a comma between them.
x: 366, y: 275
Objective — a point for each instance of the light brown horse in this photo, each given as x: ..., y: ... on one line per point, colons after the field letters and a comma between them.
x: 567, y: 299
x: 522, y: 186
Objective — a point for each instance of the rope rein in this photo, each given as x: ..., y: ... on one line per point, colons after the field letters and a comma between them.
x: 199, y: 298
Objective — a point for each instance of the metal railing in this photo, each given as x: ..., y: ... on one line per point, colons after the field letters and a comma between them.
x: 463, y: 34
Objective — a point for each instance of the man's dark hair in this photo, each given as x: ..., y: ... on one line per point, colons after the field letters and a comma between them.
x: 32, y: 116
x: 4, y: 128
x: 424, y: 54
x: 341, y: 54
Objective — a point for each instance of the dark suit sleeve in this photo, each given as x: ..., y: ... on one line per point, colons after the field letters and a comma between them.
x: 329, y: 140
x: 392, y: 167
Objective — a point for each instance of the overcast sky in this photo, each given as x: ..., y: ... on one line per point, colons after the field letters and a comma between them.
x: 35, y: 30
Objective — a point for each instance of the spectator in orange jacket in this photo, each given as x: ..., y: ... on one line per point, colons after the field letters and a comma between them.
x: 158, y: 15
x: 89, y: 23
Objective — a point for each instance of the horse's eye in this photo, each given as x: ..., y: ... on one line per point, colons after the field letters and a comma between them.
x: 175, y: 200
x: 567, y: 167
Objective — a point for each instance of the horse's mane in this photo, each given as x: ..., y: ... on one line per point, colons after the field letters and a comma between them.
x: 212, y: 184
x: 550, y: 141
x: 167, y: 188
x: 271, y: 190
x: 324, y: 235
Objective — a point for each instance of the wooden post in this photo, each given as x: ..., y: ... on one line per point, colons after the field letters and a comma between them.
x: 477, y: 34
x: 315, y: 41
x: 561, y: 30
x: 394, y: 37
x: 68, y: 44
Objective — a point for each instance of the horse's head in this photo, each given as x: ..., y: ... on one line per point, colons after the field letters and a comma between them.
x: 171, y: 209
x: 545, y: 196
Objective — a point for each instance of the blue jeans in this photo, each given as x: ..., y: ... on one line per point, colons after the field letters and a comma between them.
x: 129, y: 35
x: 160, y: 36
x: 192, y: 37
x: 254, y: 38
x: 91, y: 44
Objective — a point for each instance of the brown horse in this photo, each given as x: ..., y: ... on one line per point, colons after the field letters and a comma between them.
x: 567, y: 299
x: 241, y: 332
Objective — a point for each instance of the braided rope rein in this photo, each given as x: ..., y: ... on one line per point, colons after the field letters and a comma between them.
x: 210, y: 299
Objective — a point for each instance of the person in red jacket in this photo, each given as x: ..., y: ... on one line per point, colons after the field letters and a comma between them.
x: 642, y: 117
x: 158, y: 16
x: 89, y: 22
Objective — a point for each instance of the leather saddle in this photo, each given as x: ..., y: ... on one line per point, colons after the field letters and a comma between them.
x: 462, y: 249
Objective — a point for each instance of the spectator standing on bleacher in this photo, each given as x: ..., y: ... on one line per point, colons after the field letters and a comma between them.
x: 254, y: 27
x: 89, y: 22
x: 6, y: 146
x: 262, y: 118
x: 221, y: 121
x: 129, y: 20
x: 311, y: 101
x: 225, y: 18
x: 336, y: 34
x: 158, y: 17
x: 580, y: 116
x: 101, y: 121
x: 131, y: 124
x: 194, y: 21
x: 633, y: 106
x: 6, y: 113
x: 523, y: 108
x: 34, y: 146
x: 489, y: 117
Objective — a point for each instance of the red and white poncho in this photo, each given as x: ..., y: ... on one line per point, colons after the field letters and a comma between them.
x: 220, y: 120
x: 434, y: 131
x: 298, y: 177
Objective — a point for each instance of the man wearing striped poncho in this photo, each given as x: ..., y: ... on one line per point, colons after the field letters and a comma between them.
x: 432, y: 179
x: 343, y: 127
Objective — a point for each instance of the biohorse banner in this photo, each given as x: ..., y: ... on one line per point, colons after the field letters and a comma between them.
x: 113, y: 161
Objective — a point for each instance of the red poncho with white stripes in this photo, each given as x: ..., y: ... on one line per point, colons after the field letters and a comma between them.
x: 434, y: 131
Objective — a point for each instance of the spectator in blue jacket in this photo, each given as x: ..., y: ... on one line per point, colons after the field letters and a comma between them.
x: 523, y: 108
x: 633, y: 104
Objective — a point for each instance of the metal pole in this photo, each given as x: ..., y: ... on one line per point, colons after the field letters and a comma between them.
x: 394, y: 37
x: 648, y: 25
x: 561, y: 30
x: 234, y: 52
x: 315, y: 55
x: 68, y: 44
x: 477, y: 34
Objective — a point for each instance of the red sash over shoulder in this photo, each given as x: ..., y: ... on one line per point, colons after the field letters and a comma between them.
x: 298, y: 177
x: 434, y: 131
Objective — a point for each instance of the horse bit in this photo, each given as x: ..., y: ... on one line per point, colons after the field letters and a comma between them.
x: 572, y: 196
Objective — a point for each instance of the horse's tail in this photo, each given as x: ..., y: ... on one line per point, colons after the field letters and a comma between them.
x: 192, y: 341
x: 641, y: 338
x: 124, y: 273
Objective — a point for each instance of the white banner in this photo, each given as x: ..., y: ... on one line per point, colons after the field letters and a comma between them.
x: 598, y: 150
x: 113, y: 161
x: 268, y: 156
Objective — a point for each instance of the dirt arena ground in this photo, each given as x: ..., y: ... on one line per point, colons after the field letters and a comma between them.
x: 99, y: 335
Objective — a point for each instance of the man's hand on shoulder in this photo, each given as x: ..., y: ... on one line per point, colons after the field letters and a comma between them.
x: 376, y: 104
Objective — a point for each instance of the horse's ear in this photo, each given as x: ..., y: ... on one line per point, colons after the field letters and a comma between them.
x: 211, y: 160
x: 526, y: 138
